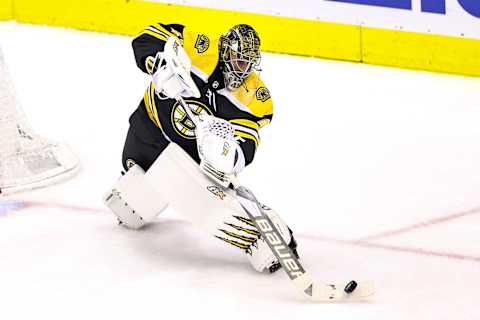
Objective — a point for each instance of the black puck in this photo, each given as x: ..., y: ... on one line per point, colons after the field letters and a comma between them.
x: 351, y: 286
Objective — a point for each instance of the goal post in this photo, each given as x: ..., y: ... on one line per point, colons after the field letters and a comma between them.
x: 27, y: 160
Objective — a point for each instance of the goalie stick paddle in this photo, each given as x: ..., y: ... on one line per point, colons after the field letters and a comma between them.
x: 315, y: 291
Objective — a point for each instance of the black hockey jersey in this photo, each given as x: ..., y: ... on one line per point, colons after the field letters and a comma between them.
x: 248, y: 108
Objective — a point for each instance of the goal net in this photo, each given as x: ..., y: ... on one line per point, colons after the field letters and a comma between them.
x: 27, y: 160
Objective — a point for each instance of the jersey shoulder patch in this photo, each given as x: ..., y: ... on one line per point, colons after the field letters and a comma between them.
x: 252, y: 97
x: 202, y: 48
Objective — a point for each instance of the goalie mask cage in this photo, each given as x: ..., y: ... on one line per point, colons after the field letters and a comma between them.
x: 27, y: 160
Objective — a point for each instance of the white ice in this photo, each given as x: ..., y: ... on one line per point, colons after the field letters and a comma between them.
x: 377, y: 170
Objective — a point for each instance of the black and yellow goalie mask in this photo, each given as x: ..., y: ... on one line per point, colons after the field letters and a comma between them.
x: 239, y: 54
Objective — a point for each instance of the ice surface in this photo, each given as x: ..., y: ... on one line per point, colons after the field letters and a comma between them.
x: 354, y: 152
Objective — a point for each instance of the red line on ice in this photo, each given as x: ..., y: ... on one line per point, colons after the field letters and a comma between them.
x: 423, y: 224
x: 419, y: 251
x: 360, y: 243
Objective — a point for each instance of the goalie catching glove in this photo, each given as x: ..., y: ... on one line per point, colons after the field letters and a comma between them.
x: 171, y: 72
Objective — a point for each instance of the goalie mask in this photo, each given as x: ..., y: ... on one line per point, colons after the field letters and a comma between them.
x: 239, y: 54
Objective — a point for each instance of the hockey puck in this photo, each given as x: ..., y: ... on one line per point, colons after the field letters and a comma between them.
x: 350, y: 287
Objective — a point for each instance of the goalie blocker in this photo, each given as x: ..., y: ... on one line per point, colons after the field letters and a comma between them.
x: 138, y: 197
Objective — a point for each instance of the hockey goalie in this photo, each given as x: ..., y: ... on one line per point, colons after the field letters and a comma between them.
x: 197, y: 125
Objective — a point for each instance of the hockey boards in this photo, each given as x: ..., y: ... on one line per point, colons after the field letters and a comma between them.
x: 315, y: 291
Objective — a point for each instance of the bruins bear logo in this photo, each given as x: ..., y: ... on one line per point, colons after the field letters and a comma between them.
x: 262, y: 94
x: 202, y: 43
x: 182, y: 124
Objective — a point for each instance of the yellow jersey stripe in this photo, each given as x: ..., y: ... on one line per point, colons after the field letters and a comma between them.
x: 153, y: 106
x: 262, y: 123
x: 246, y: 130
x: 159, y: 31
x: 147, y: 105
x: 247, y: 136
x: 162, y: 29
x: 155, y: 34
x: 246, y: 123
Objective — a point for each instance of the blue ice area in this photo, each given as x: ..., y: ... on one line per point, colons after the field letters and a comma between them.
x: 7, y: 206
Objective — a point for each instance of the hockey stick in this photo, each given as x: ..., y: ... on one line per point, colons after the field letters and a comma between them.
x: 316, y: 291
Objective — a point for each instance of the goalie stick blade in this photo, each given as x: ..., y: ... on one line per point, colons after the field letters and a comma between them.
x: 323, y: 292
x: 334, y: 292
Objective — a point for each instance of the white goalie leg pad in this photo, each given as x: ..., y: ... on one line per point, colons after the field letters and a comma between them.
x: 209, y: 206
x: 133, y: 200
x: 262, y: 257
x: 189, y: 191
